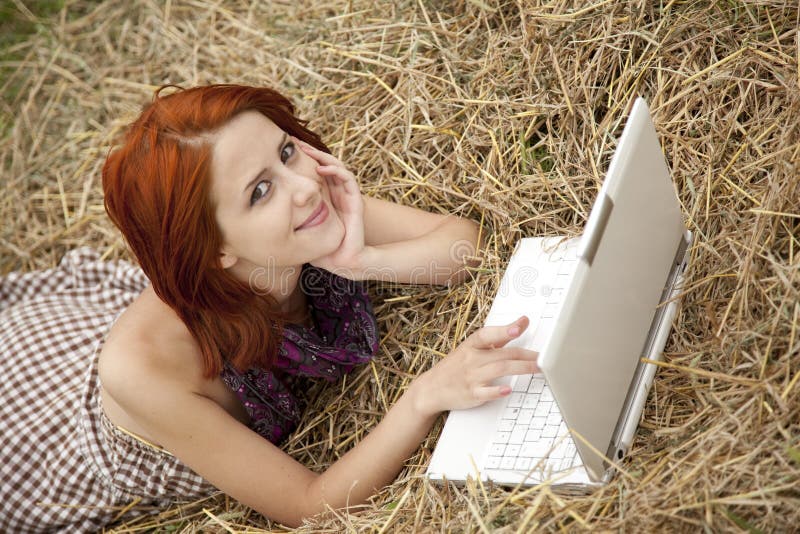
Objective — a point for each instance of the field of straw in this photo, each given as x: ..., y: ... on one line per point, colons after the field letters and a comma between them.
x: 506, y: 113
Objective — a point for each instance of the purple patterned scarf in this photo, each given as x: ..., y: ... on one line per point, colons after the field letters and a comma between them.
x: 345, y: 334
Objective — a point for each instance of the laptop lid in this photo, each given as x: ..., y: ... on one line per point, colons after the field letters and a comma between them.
x: 625, y: 257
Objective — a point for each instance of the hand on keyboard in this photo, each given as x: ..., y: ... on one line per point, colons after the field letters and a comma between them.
x: 463, y: 379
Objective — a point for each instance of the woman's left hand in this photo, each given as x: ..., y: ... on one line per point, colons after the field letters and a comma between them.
x: 348, y: 203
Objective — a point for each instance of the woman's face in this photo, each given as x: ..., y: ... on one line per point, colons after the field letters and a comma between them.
x: 264, y: 189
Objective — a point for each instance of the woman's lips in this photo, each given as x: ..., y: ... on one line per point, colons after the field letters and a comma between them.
x: 319, y: 215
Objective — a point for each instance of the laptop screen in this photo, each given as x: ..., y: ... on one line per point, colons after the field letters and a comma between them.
x: 627, y: 252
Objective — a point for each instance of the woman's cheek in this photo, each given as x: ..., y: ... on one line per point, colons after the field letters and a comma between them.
x: 340, y: 223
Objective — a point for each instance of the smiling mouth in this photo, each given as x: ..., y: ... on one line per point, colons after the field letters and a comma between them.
x: 318, y: 216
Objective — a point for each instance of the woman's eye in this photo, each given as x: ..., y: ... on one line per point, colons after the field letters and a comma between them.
x: 261, y: 189
x: 287, y: 152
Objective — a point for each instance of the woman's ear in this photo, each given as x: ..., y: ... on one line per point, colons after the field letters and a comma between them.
x: 227, y: 260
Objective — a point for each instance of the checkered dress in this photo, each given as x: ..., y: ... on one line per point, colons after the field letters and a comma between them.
x: 63, y: 465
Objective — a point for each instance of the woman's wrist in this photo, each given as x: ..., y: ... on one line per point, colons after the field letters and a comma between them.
x: 357, y: 268
x: 421, y: 399
x: 365, y: 262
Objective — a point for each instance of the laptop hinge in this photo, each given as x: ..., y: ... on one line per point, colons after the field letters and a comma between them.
x: 678, y: 265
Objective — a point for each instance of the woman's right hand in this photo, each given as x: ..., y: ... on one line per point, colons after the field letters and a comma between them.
x: 464, y: 378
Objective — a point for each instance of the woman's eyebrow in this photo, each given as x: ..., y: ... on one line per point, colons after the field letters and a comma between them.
x: 258, y: 176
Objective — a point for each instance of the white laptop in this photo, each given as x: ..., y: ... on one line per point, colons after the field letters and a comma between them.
x: 598, y: 305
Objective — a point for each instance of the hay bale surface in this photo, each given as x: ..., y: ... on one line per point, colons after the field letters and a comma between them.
x: 506, y: 113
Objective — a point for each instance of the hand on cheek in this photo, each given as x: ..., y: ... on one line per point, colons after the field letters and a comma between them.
x: 345, y: 198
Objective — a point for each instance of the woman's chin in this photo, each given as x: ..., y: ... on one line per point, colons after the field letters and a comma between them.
x: 331, y: 241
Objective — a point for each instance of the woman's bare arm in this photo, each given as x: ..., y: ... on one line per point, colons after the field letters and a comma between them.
x: 252, y: 470
x: 248, y: 467
x: 413, y: 246
x: 388, y: 241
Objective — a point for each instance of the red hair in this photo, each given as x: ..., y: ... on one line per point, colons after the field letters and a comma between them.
x: 157, y: 188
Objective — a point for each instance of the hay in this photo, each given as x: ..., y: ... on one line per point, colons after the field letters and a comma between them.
x: 505, y: 113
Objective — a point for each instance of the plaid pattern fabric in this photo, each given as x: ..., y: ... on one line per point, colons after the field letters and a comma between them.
x: 63, y: 465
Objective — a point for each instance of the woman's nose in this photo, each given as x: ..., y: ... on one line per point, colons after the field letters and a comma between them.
x: 306, y: 188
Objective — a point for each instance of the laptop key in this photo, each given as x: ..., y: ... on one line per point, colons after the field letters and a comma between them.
x: 528, y: 450
x: 553, y: 465
x: 501, y: 437
x: 538, y: 449
x: 521, y: 384
x: 508, y: 462
x: 506, y: 425
x: 525, y: 417
x: 558, y: 451
x: 549, y: 311
x: 562, y: 279
x: 572, y: 252
x: 531, y: 400
x: 538, y: 422
x: 549, y: 431
x: 497, y: 449
x: 567, y: 267
x: 511, y: 413
x: 523, y: 464
x: 567, y: 463
x: 536, y: 385
x: 518, y: 435
x: 542, y: 409
x: 545, y: 328
x: 556, y: 295
x: 493, y: 462
x: 515, y: 400
x: 533, y: 434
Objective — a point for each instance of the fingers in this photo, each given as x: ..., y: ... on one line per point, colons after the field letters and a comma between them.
x: 331, y: 168
x: 512, y: 361
x: 346, y: 177
x: 499, y: 368
x: 486, y: 393
x: 322, y: 157
x: 511, y: 353
x: 490, y: 337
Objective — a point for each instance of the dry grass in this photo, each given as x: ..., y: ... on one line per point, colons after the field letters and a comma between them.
x: 506, y: 113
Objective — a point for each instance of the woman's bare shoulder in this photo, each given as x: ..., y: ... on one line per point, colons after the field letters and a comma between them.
x: 149, y: 339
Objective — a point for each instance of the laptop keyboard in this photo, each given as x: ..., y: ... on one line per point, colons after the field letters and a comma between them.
x: 531, y: 435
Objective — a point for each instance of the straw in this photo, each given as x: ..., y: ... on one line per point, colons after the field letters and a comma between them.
x: 501, y: 112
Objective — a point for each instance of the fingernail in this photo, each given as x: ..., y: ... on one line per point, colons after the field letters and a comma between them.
x: 505, y: 390
x: 513, y: 331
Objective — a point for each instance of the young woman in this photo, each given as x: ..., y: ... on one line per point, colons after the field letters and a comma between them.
x: 252, y: 240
